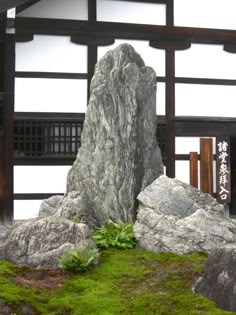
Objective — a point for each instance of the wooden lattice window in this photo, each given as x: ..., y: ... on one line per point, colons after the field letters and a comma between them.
x: 42, y: 138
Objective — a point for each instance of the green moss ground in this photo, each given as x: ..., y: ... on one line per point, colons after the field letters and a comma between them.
x: 126, y: 282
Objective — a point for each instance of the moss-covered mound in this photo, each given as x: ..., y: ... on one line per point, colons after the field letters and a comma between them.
x: 126, y: 282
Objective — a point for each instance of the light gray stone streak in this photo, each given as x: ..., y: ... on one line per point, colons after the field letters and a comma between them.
x: 119, y: 155
x: 176, y: 217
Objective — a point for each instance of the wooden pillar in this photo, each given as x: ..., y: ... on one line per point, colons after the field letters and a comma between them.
x: 92, y: 49
x: 193, y: 159
x: 6, y: 213
x: 2, y: 167
x: 170, y: 97
x: 1, y: 177
x: 206, y: 165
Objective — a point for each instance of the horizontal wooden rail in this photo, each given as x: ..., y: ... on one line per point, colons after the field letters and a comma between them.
x: 34, y: 196
x: 123, y: 30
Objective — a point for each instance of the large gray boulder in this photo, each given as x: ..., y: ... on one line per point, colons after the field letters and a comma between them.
x: 40, y: 242
x: 119, y: 154
x: 219, y: 279
x: 176, y: 217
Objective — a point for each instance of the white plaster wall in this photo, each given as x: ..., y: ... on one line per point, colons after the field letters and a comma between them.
x: 26, y: 209
x: 50, y: 95
x: 160, y: 98
x: 51, y: 54
x: 205, y: 13
x: 182, y: 171
x: 205, y: 100
x: 40, y: 179
x: 205, y: 61
x: 184, y: 145
x: 58, y: 9
x: 130, y: 12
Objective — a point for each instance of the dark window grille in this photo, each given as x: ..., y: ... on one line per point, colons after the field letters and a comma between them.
x: 48, y: 137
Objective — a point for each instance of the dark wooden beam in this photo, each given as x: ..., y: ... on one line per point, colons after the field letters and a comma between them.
x: 186, y: 157
x: 170, y: 12
x: 50, y: 75
x: 92, y: 59
x: 3, y: 22
x: 170, y: 44
x: 170, y: 98
x: 92, y: 10
x: 206, y: 81
x: 24, y: 38
x: 44, y: 161
x: 8, y: 127
x: 204, y: 126
x: 92, y: 40
x: 37, y: 196
x: 8, y: 4
x: 124, y: 30
x: 49, y: 115
x: 147, y: 1
x: 92, y: 48
x: 231, y: 48
x: 25, y: 5
x: 2, y: 144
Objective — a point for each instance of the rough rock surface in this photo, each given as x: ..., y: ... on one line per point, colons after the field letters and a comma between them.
x: 3, y: 229
x: 39, y: 242
x: 176, y: 217
x: 49, y: 206
x: 219, y: 280
x: 119, y: 155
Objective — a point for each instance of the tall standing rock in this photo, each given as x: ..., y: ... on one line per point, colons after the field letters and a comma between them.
x: 119, y: 155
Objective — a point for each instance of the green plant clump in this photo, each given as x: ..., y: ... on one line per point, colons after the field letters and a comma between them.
x: 78, y: 260
x: 116, y: 234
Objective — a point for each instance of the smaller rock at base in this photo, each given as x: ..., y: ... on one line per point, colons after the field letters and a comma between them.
x: 39, y: 242
x: 219, y: 280
x: 176, y: 217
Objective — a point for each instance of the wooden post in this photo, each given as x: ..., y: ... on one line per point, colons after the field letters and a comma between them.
x: 193, y: 158
x: 170, y: 97
x: 6, y: 213
x: 2, y: 142
x: 206, y: 165
x: 92, y: 49
x: 1, y: 177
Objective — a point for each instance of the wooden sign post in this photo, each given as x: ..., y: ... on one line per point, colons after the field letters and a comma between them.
x: 223, y: 169
x: 206, y: 165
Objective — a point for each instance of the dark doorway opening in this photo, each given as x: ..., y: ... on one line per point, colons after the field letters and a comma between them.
x: 232, y: 206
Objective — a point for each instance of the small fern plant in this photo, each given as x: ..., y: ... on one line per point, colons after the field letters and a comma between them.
x: 115, y: 234
x: 79, y: 260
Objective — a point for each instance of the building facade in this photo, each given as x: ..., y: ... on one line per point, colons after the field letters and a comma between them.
x: 48, y: 52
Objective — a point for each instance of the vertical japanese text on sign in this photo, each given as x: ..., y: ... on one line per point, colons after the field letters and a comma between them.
x: 223, y: 176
